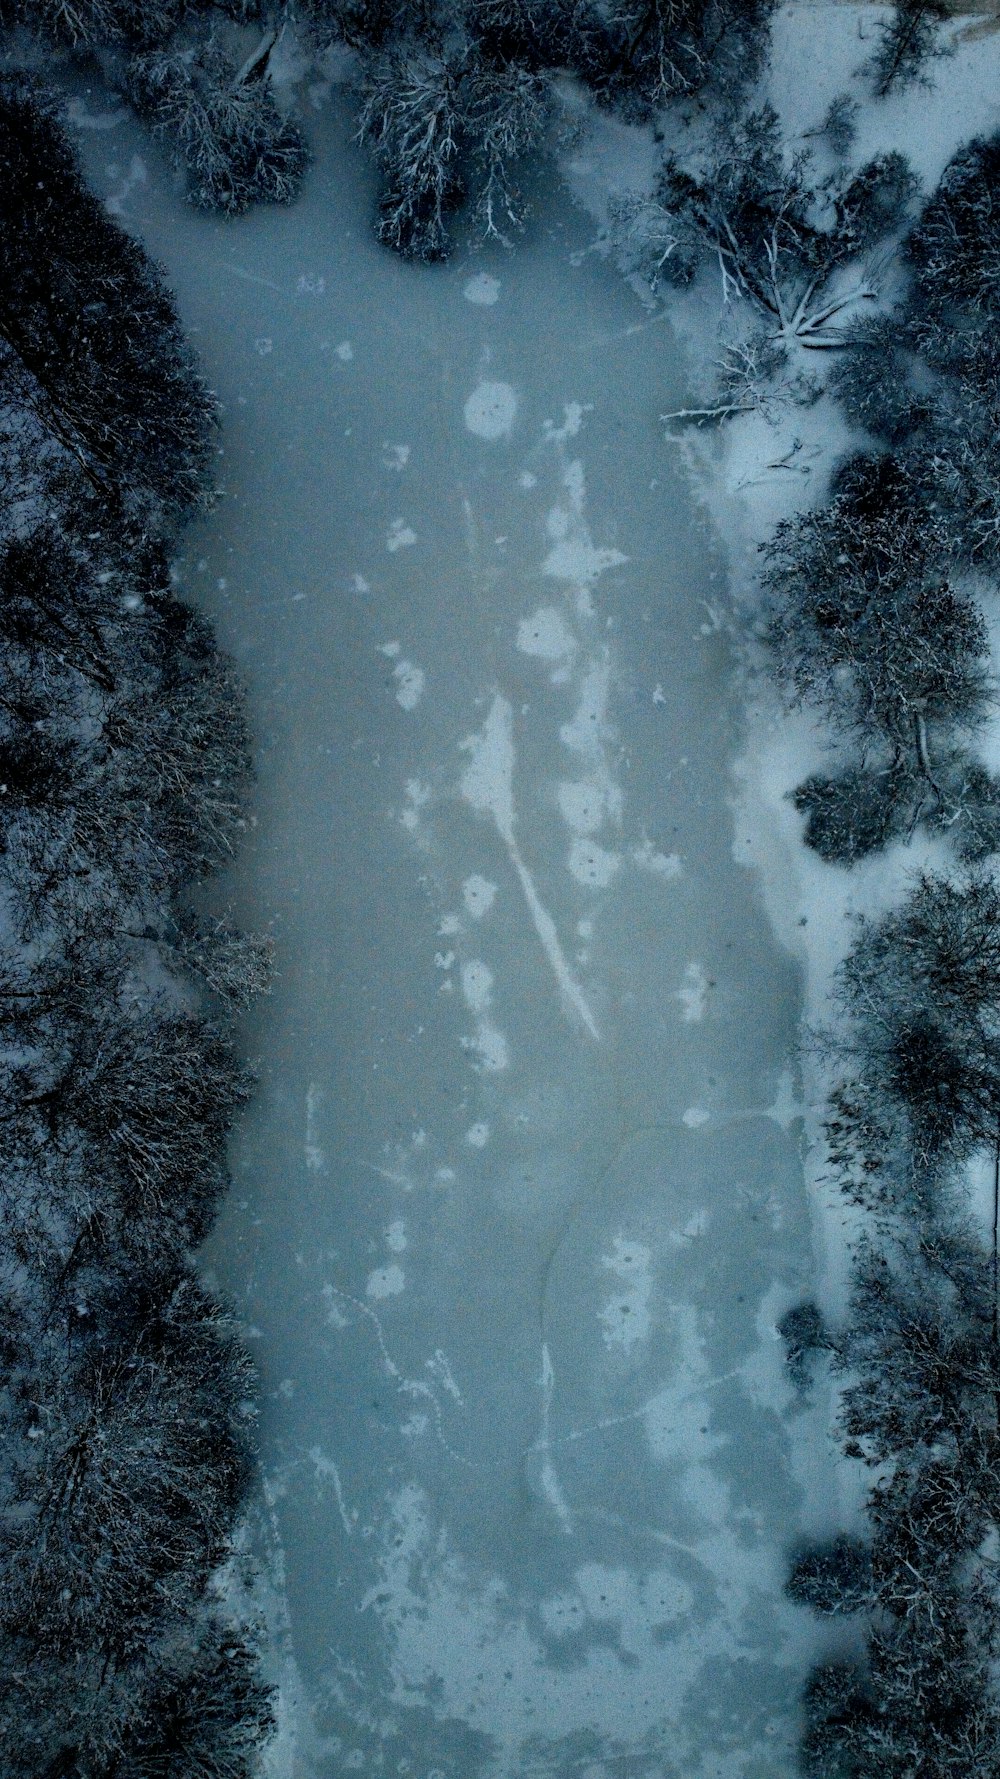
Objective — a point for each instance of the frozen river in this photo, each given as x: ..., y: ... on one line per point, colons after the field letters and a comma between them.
x: 520, y: 1198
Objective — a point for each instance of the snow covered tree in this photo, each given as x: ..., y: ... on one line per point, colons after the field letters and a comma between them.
x: 130, y: 1454
x: 124, y: 762
x: 907, y: 40
x: 865, y: 624
x: 439, y: 124
x: 89, y: 328
x: 921, y: 991
x: 779, y: 238
x: 832, y: 1578
x: 221, y: 122
x: 668, y: 49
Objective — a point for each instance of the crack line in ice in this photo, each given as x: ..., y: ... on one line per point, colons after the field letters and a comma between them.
x: 487, y: 783
x: 545, y: 1443
x: 548, y: 1478
x: 412, y: 1387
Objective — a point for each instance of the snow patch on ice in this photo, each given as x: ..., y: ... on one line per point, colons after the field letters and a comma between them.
x: 315, y: 1154
x: 695, y: 1117
x: 477, y: 985
x: 410, y: 682
x: 477, y: 1136
x: 478, y: 894
x: 592, y: 864
x: 418, y: 795
x: 546, y: 635
x: 573, y: 413
x: 483, y: 289
x: 399, y: 536
x: 583, y: 807
x: 490, y: 410
x: 395, y: 1236
x: 490, y: 1046
x: 396, y: 456
x: 385, y: 1281
x: 625, y: 1318
x: 345, y: 351
x: 663, y: 864
x: 693, y: 994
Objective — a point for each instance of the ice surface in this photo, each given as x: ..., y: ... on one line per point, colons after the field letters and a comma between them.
x: 514, y: 1216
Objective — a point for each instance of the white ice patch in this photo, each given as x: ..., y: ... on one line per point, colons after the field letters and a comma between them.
x: 385, y: 1281
x: 310, y: 284
x: 478, y: 894
x: 359, y: 584
x: 573, y: 413
x: 490, y: 1046
x: 477, y: 985
x: 583, y: 807
x: 410, y: 683
x: 693, y: 994
x: 392, y: 649
x: 488, y: 780
x: 625, y: 1317
x: 477, y: 1136
x: 573, y: 556
x: 592, y: 864
x: 588, y: 728
x: 315, y: 1155
x: 546, y: 635
x: 490, y: 410
x: 483, y: 290
x: 695, y: 1117
x: 345, y: 351
x: 399, y: 536
x: 396, y: 456
x: 662, y: 864
x: 418, y: 795
x: 395, y: 1236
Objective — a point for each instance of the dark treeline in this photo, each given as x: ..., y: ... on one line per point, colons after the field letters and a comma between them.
x: 126, y: 1411
x: 874, y: 621
x: 453, y: 94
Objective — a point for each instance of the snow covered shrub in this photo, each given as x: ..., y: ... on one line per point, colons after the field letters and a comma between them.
x: 955, y: 246
x: 223, y: 125
x: 921, y: 1354
x: 832, y: 1578
x: 779, y: 237
x: 857, y: 811
x: 804, y: 1333
x: 864, y: 623
x: 921, y: 991
x: 876, y: 381
x: 108, y: 372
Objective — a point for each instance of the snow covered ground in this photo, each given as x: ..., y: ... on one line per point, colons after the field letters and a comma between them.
x: 521, y: 1197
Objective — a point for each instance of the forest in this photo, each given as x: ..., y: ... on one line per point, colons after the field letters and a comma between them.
x: 127, y: 1405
